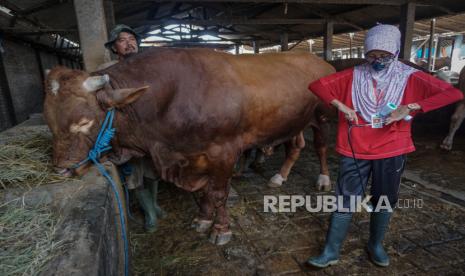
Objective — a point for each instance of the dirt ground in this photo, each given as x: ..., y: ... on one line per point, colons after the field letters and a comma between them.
x: 422, y: 241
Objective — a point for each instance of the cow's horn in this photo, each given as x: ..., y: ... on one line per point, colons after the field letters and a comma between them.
x: 92, y: 84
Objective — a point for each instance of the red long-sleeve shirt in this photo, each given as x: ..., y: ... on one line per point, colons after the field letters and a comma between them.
x: 391, y: 140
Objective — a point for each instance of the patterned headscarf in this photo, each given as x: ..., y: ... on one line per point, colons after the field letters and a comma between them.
x: 390, y: 82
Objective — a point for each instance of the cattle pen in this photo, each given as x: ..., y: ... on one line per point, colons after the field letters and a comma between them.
x: 73, y: 195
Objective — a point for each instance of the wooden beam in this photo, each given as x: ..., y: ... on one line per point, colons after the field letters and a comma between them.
x: 251, y: 33
x: 45, y: 5
x: 323, y: 14
x: 334, y: 2
x: 192, y: 45
x: 199, y: 40
x: 17, y: 12
x: 238, y: 21
x: 407, y: 21
x: 22, y: 31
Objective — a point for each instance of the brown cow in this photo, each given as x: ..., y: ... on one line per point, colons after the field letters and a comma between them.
x: 458, y: 116
x: 192, y: 111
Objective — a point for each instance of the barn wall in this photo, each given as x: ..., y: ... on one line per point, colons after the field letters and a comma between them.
x: 24, y: 79
x: 21, y: 80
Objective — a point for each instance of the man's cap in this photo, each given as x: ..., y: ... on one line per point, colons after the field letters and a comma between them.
x: 117, y: 30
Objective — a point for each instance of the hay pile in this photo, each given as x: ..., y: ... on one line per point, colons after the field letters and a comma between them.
x: 25, y: 162
x: 26, y: 239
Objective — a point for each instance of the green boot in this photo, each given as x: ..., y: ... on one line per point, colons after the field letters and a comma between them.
x: 379, y: 222
x: 145, y: 200
x: 153, y: 187
x: 336, y: 234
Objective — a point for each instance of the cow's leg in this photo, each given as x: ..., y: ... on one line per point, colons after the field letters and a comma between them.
x: 219, y: 186
x: 205, y: 219
x: 319, y: 143
x: 258, y: 160
x: 455, y: 122
x: 293, y: 148
x: 242, y: 166
x: 221, y: 234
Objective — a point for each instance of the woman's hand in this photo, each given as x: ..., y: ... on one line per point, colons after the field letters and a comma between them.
x: 349, y: 113
x: 400, y: 113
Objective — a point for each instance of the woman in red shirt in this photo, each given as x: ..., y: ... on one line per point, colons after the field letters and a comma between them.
x: 371, y: 141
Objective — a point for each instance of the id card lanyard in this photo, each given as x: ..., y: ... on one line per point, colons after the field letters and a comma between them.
x: 376, y: 119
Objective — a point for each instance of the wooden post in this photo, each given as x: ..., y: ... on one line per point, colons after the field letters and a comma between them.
x: 92, y: 32
x: 407, y: 20
x: 256, y: 47
x: 6, y: 100
x: 284, y: 42
x: 328, y: 41
x: 351, y: 37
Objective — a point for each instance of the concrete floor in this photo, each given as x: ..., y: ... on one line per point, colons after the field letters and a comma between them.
x: 421, y: 241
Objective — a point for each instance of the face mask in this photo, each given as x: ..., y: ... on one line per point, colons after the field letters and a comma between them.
x: 379, y: 64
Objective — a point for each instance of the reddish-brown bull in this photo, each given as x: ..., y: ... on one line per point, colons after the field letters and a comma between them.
x: 193, y: 112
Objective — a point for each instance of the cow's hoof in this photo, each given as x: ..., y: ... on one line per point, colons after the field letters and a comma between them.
x: 323, y: 183
x: 446, y: 145
x: 201, y: 225
x: 276, y: 181
x: 220, y: 238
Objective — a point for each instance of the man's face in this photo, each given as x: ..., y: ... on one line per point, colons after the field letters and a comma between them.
x: 125, y: 45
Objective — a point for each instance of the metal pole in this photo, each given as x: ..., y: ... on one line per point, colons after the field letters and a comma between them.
x: 431, y: 41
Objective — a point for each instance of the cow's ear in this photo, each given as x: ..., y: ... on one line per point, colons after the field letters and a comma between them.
x: 120, y: 97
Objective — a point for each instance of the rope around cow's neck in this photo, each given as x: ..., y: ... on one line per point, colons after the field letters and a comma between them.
x: 102, y: 144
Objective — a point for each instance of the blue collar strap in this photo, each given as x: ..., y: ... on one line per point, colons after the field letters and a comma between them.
x: 102, y: 144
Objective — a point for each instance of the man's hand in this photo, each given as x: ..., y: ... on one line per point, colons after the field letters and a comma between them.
x: 400, y: 113
x: 349, y: 113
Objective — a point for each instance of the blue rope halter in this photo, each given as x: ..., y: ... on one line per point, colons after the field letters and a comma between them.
x: 102, y: 144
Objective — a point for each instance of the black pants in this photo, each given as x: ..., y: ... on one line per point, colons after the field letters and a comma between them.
x: 385, y: 173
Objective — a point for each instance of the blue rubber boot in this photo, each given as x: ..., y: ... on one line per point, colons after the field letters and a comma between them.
x: 146, y: 202
x: 379, y: 222
x: 337, y: 232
